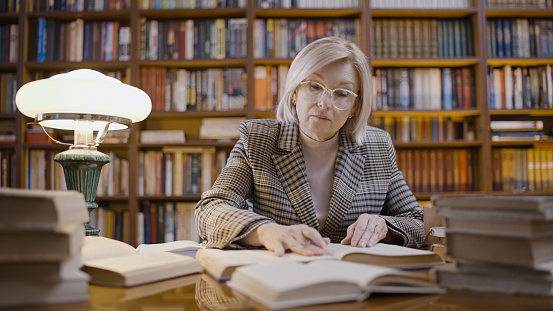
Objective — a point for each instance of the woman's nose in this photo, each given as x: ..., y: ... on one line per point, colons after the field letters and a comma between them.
x: 326, y: 100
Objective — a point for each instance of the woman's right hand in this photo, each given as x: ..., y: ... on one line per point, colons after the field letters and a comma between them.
x: 300, y: 239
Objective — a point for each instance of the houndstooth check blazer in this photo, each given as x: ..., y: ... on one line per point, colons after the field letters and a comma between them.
x: 265, y: 180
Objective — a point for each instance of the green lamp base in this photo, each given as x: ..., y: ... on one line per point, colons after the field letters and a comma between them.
x: 82, y: 168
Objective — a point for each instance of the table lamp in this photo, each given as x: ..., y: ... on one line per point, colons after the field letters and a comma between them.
x: 85, y: 101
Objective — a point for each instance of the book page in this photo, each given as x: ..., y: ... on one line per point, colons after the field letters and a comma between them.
x: 129, y: 265
x: 380, y: 249
x: 166, y: 247
x: 97, y: 247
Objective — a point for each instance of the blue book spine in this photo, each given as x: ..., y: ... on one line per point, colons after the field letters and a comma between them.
x: 491, y: 92
x: 499, y: 37
x: 41, y: 44
x: 507, y: 46
x: 447, y: 89
x: 87, y: 41
x: 147, y: 229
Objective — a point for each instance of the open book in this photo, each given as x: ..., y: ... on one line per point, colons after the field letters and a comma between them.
x: 286, y: 283
x: 113, y: 263
x: 220, y: 264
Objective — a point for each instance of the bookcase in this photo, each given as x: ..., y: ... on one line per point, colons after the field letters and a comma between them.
x: 442, y: 135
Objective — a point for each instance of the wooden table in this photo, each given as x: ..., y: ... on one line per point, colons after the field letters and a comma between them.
x: 201, y: 292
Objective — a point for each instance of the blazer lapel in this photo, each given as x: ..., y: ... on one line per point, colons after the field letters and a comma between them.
x: 290, y: 167
x: 348, y: 173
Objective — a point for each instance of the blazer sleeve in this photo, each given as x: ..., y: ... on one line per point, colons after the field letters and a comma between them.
x: 401, y: 210
x: 222, y: 214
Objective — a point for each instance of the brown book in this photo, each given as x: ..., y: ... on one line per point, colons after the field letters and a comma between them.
x: 462, y: 160
x: 440, y: 170
x: 433, y: 170
x: 424, y: 171
x: 417, y: 167
x: 448, y: 170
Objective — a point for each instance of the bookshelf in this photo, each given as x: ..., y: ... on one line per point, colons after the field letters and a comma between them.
x: 472, y: 121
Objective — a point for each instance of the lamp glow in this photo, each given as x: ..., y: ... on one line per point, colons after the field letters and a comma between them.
x: 85, y: 101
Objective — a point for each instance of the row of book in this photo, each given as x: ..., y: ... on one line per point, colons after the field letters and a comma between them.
x: 522, y: 169
x: 157, y: 222
x: 190, y: 4
x: 193, y: 39
x: 7, y: 131
x: 8, y: 89
x: 422, y: 38
x: 78, y: 5
x: 7, y: 164
x: 510, y: 4
x: 162, y: 222
x: 177, y: 89
x: 426, y: 129
x: 284, y: 38
x: 424, y: 88
x: 176, y: 171
x: 268, y: 85
x: 421, y: 4
x: 520, y: 87
x: 112, y: 223
x: 79, y: 40
x: 306, y: 4
x: 121, y: 75
x: 9, y: 40
x: 520, y: 37
x: 9, y: 6
x: 439, y: 170
x: 114, y: 178
x: 41, y: 172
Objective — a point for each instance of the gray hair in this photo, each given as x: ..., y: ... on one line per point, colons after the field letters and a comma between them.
x: 317, y: 55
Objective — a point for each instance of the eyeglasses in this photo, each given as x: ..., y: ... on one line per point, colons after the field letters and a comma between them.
x: 314, y: 92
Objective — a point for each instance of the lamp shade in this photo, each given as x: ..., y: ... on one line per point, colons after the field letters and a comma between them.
x: 83, y: 93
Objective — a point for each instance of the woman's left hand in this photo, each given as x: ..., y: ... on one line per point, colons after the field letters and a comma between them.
x: 366, y: 231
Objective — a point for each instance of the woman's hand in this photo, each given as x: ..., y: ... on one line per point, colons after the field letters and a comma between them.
x: 300, y: 239
x: 366, y: 231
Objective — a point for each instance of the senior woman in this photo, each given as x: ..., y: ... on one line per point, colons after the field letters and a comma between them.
x: 317, y: 174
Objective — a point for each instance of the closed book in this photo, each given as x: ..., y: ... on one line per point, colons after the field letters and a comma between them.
x: 497, y: 279
x: 40, y: 209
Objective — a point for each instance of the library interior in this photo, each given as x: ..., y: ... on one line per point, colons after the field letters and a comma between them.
x: 463, y: 88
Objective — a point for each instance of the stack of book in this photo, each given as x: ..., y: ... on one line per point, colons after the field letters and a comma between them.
x: 522, y: 130
x: 501, y: 243
x: 41, y: 235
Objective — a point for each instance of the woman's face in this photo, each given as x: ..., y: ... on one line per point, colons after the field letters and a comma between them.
x: 321, y: 120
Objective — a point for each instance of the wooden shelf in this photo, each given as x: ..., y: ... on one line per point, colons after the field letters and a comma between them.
x: 520, y: 12
x: 424, y: 13
x: 4, y: 145
x: 439, y: 144
x: 497, y: 62
x: 121, y: 15
x: 9, y: 18
x: 527, y: 144
x: 99, y: 65
x: 196, y: 63
x: 196, y: 114
x: 308, y: 13
x: 188, y: 197
x: 428, y: 113
x: 193, y: 13
x: 528, y: 112
x: 273, y: 61
x: 425, y: 196
x: 203, y: 143
x: 423, y: 62
x: 7, y: 67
